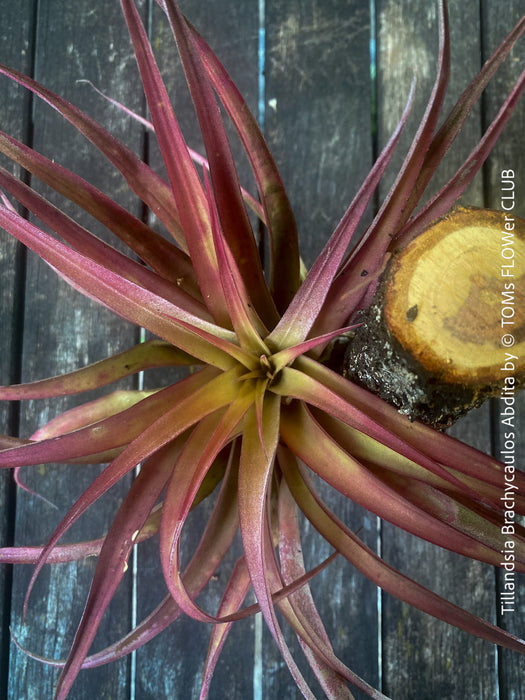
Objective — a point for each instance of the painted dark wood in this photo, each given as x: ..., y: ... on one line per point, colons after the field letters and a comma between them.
x: 322, y: 127
x: 422, y: 657
x: 15, y: 49
x: 508, y: 154
x: 317, y: 117
x: 232, y: 30
x: 62, y: 331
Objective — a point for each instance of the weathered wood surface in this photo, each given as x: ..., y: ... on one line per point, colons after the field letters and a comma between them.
x: 323, y: 128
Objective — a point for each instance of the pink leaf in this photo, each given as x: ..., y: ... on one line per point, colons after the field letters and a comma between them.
x: 301, y: 385
x: 306, y: 305
x: 142, y: 180
x: 453, y: 124
x: 187, y: 188
x: 114, y: 431
x: 126, y: 298
x: 438, y: 447
x: 250, y: 201
x: 385, y: 576
x: 445, y: 198
x: 236, y: 591
x: 153, y: 353
x: 213, y: 433
x: 171, y: 426
x: 94, y: 248
x: 233, y: 217
x: 254, y: 479
x: 284, y: 247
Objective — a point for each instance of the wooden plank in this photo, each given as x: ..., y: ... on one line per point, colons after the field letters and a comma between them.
x: 63, y: 331
x: 171, y: 665
x: 317, y: 119
x: 509, y: 154
x: 15, y: 33
x: 422, y: 657
x: 318, y: 105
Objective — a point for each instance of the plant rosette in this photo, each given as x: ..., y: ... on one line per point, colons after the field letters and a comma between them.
x: 260, y: 414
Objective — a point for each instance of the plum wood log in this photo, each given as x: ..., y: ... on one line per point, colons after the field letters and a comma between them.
x: 446, y: 329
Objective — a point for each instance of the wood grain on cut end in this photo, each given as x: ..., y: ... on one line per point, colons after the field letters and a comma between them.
x: 448, y: 317
x: 454, y: 292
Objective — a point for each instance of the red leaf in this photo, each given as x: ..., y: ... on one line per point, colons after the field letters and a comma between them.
x: 246, y: 323
x: 164, y: 257
x: 445, y: 198
x: 113, y: 558
x: 437, y: 446
x: 453, y: 124
x: 94, y: 248
x: 284, y: 246
x: 187, y: 188
x: 142, y: 180
x: 233, y: 217
x: 383, y: 575
x: 292, y: 567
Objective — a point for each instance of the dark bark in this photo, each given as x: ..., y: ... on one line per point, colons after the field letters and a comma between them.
x: 376, y: 360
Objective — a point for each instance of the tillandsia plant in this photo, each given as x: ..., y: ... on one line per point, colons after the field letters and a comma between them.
x: 260, y: 417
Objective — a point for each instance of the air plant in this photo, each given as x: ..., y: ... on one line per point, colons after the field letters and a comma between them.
x: 260, y: 414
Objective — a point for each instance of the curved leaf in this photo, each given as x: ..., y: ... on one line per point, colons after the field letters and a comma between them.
x: 142, y: 180
x: 450, y: 193
x: 213, y: 433
x: 453, y: 124
x: 233, y: 217
x: 161, y: 255
x: 148, y: 355
x: 113, y: 558
x: 311, y: 444
x: 292, y: 567
x: 245, y: 321
x: 94, y: 248
x: 374, y: 568
x: 186, y: 186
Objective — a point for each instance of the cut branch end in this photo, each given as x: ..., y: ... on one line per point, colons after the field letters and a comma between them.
x: 447, y: 327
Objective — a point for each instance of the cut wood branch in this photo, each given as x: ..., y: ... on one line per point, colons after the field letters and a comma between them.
x: 446, y: 329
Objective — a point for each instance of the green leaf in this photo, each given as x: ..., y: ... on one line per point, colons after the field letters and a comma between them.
x: 148, y: 355
x: 325, y: 457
